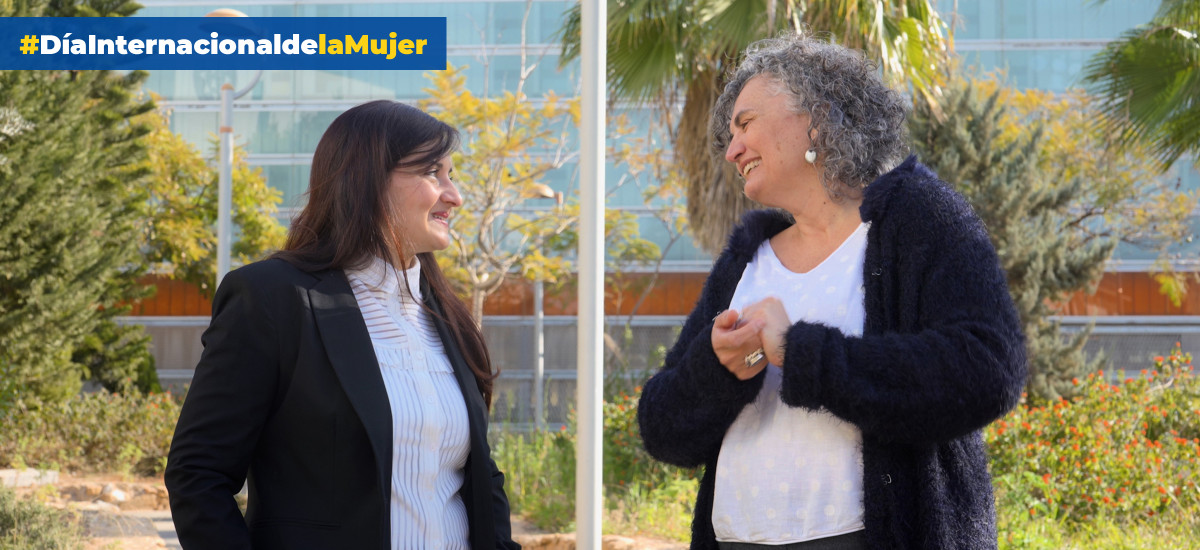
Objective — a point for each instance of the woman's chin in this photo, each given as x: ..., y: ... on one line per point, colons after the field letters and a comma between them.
x: 754, y: 192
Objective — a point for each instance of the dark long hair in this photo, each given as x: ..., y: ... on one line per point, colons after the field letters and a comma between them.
x: 350, y: 216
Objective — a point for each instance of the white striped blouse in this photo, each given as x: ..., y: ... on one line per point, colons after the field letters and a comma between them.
x: 430, y: 439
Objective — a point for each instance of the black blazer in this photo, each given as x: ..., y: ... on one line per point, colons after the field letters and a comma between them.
x: 288, y: 397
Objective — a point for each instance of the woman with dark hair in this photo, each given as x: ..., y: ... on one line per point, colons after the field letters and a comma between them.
x: 851, y: 342
x: 342, y: 381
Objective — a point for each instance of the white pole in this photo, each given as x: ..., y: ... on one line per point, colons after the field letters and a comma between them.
x: 225, y: 183
x: 590, y: 359
x: 225, y: 159
x: 539, y: 350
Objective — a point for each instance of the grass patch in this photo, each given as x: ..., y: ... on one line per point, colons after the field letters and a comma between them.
x: 28, y: 525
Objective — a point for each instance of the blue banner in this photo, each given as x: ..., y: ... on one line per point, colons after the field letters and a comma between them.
x: 126, y: 43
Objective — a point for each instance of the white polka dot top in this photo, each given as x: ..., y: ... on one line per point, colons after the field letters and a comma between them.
x: 787, y: 474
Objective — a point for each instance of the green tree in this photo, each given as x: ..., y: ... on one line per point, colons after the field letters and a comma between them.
x: 1124, y: 196
x: 68, y: 215
x: 638, y: 147
x: 178, y: 231
x: 1028, y: 209
x: 1148, y: 81
x: 661, y: 50
x: 510, y: 146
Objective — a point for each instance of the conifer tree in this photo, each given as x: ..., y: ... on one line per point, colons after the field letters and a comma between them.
x: 179, y: 214
x: 68, y: 213
x: 1027, y: 213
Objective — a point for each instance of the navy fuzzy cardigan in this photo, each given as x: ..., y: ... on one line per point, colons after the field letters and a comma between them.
x: 941, y: 356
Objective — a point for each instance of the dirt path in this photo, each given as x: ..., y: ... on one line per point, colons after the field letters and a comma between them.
x: 122, y: 513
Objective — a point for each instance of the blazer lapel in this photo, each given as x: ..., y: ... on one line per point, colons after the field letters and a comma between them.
x: 477, y: 488
x: 348, y: 344
x: 466, y: 378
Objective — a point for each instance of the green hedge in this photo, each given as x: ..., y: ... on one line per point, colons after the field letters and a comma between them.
x: 1115, y: 468
x: 641, y: 495
x: 91, y: 433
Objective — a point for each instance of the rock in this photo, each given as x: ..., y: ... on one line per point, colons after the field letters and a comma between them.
x: 141, y: 500
x: 617, y: 542
x: 112, y: 494
x: 546, y: 542
x: 27, y: 477
x: 105, y: 523
x: 97, y: 506
x: 80, y: 491
x: 567, y: 542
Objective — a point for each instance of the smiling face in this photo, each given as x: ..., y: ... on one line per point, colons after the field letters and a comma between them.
x: 768, y: 143
x: 423, y: 198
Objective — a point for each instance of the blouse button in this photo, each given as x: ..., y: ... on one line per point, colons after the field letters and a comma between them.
x: 887, y: 479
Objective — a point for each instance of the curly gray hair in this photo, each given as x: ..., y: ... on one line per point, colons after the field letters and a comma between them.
x: 858, y: 120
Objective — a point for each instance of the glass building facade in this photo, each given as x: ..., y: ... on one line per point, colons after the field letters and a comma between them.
x: 1041, y: 44
x: 281, y: 119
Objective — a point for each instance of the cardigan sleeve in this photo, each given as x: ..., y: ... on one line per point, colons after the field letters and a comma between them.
x: 686, y: 407
x: 950, y: 357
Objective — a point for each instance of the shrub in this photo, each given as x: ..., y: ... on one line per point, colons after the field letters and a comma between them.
x: 1123, y: 451
x: 95, y: 432
x: 27, y: 524
x: 539, y: 475
x: 641, y: 494
x: 626, y: 462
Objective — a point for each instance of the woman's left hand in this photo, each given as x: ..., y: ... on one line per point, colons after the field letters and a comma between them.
x: 775, y: 326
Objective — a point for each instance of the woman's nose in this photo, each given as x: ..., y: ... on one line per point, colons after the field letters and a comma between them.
x: 450, y: 194
x: 734, y: 150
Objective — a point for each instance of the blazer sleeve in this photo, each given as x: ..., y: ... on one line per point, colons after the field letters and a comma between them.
x: 501, y: 511
x: 226, y: 406
x: 686, y: 407
x: 958, y: 366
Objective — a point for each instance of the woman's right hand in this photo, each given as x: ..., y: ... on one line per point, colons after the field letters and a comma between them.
x: 732, y: 343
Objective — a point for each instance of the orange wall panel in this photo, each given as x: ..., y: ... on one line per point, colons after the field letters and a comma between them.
x: 1131, y: 293
x: 173, y: 297
x: 1118, y: 293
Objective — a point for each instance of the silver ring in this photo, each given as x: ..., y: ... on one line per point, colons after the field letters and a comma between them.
x: 754, y: 357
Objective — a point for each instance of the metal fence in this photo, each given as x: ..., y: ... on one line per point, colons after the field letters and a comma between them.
x: 633, y: 352
x: 1132, y: 343
x: 636, y: 350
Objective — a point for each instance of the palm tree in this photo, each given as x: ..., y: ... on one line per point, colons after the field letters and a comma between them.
x: 1149, y: 82
x: 659, y: 50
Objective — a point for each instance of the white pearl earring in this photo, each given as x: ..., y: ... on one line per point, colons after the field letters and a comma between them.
x: 811, y: 156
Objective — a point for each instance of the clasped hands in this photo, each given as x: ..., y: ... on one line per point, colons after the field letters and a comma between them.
x: 736, y: 336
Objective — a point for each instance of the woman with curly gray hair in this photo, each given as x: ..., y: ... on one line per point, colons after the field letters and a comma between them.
x: 851, y: 342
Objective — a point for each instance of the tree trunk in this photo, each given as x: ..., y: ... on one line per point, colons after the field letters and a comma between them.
x: 477, y: 297
x: 715, y: 199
